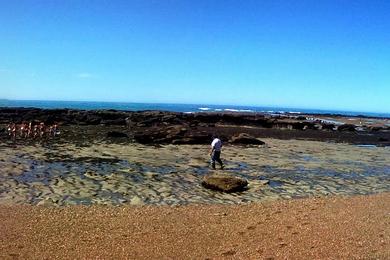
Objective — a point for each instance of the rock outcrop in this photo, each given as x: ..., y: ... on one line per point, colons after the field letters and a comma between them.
x: 164, y: 127
x: 173, y: 135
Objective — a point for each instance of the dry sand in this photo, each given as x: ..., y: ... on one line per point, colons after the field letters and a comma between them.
x: 317, y: 228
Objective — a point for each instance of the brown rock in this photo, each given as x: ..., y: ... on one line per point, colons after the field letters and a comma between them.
x: 224, y: 183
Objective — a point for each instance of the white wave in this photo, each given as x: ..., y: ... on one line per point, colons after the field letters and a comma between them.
x: 204, y: 108
x: 328, y: 121
x: 238, y: 110
x: 294, y: 112
x: 218, y: 109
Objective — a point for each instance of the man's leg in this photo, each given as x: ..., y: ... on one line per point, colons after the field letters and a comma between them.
x: 220, y: 162
x: 217, y: 158
x: 213, y: 160
x: 213, y: 164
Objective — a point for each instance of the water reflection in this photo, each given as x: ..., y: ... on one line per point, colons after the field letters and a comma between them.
x: 113, y: 181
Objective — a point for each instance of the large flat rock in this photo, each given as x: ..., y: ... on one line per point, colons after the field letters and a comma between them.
x: 224, y: 183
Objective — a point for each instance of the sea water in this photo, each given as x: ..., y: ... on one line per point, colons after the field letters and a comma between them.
x: 187, y: 108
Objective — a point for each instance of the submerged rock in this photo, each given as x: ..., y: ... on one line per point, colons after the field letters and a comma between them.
x: 224, y: 183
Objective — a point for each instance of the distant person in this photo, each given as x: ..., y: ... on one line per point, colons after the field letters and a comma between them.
x: 41, y: 129
x: 30, y: 129
x: 35, y: 131
x: 14, y: 129
x: 23, y: 130
x: 55, y: 129
x: 9, y: 129
x: 215, y: 152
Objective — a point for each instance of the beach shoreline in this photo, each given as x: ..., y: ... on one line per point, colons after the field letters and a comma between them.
x: 132, y: 188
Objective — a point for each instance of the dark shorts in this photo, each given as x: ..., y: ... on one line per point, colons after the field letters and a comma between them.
x: 216, y: 156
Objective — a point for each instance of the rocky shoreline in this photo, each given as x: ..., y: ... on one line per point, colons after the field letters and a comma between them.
x: 161, y: 158
x: 161, y: 127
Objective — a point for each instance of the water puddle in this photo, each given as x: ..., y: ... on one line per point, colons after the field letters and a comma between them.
x: 367, y: 145
x: 109, y: 180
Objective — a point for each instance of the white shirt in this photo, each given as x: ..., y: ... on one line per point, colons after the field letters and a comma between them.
x: 216, y: 144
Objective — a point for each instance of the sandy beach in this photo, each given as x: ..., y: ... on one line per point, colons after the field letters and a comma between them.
x: 318, y: 228
x: 99, y: 191
x: 195, y: 130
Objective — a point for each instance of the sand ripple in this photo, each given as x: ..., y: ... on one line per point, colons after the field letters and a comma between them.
x: 169, y: 175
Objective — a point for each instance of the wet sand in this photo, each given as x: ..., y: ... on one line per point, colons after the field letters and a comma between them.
x: 355, y: 227
x: 120, y: 174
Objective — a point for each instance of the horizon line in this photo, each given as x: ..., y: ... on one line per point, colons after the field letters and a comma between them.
x: 199, y: 104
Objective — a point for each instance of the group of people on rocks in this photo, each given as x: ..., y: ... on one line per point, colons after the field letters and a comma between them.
x: 32, y: 130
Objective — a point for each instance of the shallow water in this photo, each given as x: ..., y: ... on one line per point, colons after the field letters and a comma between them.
x: 136, y: 174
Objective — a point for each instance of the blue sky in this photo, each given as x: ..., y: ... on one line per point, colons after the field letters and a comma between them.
x: 304, y: 54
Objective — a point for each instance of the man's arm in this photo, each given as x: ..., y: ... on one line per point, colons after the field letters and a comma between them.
x: 211, y: 150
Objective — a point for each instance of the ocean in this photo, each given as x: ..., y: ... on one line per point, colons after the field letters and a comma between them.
x: 186, y: 108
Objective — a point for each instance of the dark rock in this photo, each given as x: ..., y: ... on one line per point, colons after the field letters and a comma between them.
x: 163, y: 127
x: 224, y: 183
x: 382, y: 139
x: 308, y: 125
x: 327, y: 126
x: 245, y: 139
x: 115, y: 134
x: 176, y: 130
x: 92, y: 120
x: 194, y: 123
x: 301, y: 125
x: 376, y: 128
x: 114, y: 122
x: 176, y: 134
x: 203, y: 124
x: 143, y: 138
x: 347, y: 127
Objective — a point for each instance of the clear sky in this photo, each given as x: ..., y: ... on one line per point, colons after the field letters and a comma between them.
x: 304, y: 54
